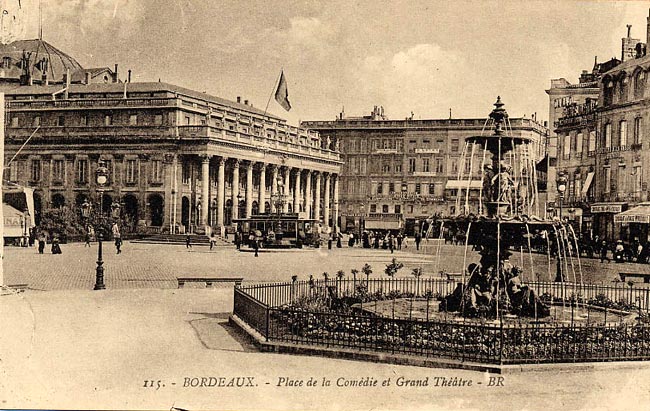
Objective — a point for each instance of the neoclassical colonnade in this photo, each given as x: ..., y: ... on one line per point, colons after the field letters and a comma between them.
x: 237, y: 188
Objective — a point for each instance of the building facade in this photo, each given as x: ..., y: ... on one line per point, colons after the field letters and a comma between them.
x: 178, y: 160
x: 409, y: 169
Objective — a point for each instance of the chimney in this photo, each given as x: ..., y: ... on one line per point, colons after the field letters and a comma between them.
x: 246, y: 102
x: 115, y: 77
x: 88, y: 77
x: 129, y: 77
x: 239, y: 99
x: 46, y: 81
x: 629, y: 30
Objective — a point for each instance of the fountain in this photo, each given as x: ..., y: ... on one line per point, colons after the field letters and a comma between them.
x: 505, y: 218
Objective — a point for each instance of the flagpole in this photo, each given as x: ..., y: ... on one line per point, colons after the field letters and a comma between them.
x: 275, y: 85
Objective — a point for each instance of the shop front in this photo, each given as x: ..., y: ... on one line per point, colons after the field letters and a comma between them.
x: 634, y: 223
x: 604, y: 225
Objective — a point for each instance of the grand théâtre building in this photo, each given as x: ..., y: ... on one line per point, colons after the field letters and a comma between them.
x: 176, y: 157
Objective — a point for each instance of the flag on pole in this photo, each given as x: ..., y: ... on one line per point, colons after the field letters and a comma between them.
x: 282, y: 94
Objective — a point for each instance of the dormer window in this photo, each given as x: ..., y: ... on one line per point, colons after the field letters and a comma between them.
x: 6, y: 62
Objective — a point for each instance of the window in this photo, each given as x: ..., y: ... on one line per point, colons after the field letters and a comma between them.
x: 432, y: 189
x: 36, y: 170
x: 380, y: 188
x: 373, y: 208
x: 622, y: 133
x: 425, y: 165
x: 157, y: 120
x: 400, y: 145
x: 454, y: 145
x: 579, y: 139
x: 608, y: 180
x: 13, y: 171
x: 384, y: 208
x: 82, y: 171
x: 58, y: 170
x: 83, y: 120
x: 398, y: 168
x: 186, y: 173
x: 37, y: 121
x: 133, y: 120
x: 468, y: 165
x: 439, y: 165
x: 418, y: 188
x: 391, y: 188
x: 385, y: 168
x: 410, y: 207
x: 637, y: 130
x: 156, y: 171
x: 411, y: 165
x: 6, y: 62
x: 608, y: 135
x: 578, y: 186
x: 60, y: 121
x: 639, y: 82
x: 398, y: 209
x: 638, y: 178
x: 454, y: 166
x: 566, y: 147
x: 375, y: 144
x: 131, y: 170
x: 620, y: 184
x: 187, y: 123
x: 592, y: 141
x: 14, y: 121
x: 108, y: 120
x: 363, y: 165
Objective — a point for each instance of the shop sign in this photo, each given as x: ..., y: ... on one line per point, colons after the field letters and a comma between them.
x: 607, y: 208
x: 632, y: 218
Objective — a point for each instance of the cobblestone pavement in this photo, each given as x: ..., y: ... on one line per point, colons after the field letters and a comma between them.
x: 158, y: 265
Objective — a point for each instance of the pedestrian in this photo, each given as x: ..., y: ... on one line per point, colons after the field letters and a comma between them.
x: 213, y: 241
x: 256, y: 246
x: 418, y: 238
x: 117, y: 237
x: 41, y: 242
x: 390, y: 243
x: 87, y: 237
x: 351, y: 240
x: 399, y: 240
x: 56, y: 248
x: 339, y: 236
x: 238, y: 240
x: 603, y: 252
x: 188, y: 241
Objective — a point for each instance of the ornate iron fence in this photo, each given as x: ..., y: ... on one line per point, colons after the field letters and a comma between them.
x: 268, y: 309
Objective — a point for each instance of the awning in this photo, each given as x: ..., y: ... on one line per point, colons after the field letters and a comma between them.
x: 14, y: 221
x: 638, y: 214
x: 463, y: 184
x: 587, y: 184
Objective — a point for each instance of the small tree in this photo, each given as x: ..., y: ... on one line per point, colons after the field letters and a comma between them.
x: 339, y: 276
x: 392, y: 268
x: 354, y: 272
x: 326, y: 276
x: 417, y: 273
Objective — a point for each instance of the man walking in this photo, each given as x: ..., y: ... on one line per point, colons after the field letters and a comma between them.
x: 188, y: 241
x: 603, y: 252
x: 117, y: 237
x: 399, y: 240
x: 418, y: 238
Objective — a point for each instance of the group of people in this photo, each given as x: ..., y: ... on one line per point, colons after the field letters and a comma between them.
x: 42, y: 238
x: 621, y: 252
x: 386, y: 240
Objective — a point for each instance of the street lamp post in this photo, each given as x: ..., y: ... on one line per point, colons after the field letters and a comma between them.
x: 561, y: 188
x: 101, y: 177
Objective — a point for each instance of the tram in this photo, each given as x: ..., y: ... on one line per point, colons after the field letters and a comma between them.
x: 286, y: 230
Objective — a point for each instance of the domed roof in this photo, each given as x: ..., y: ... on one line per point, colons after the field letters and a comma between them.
x: 57, y: 61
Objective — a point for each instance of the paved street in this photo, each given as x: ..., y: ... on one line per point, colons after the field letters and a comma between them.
x: 157, y: 266
x: 71, y: 347
x: 85, y: 349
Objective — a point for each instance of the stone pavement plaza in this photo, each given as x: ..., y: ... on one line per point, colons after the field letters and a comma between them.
x: 157, y: 266
x: 79, y: 349
x: 63, y: 345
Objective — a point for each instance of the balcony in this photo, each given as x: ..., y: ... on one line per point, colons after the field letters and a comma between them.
x: 41, y: 105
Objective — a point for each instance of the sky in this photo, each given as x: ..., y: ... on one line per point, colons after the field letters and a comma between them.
x: 424, y: 57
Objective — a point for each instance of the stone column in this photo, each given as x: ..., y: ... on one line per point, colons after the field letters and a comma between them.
x: 235, y: 189
x: 287, y: 182
x: 274, y: 185
x: 205, y: 191
x: 221, y: 192
x: 317, y: 196
x: 296, y: 192
x: 308, y: 194
x: 335, y: 212
x: 326, y: 201
x: 262, y: 193
x: 249, y: 189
